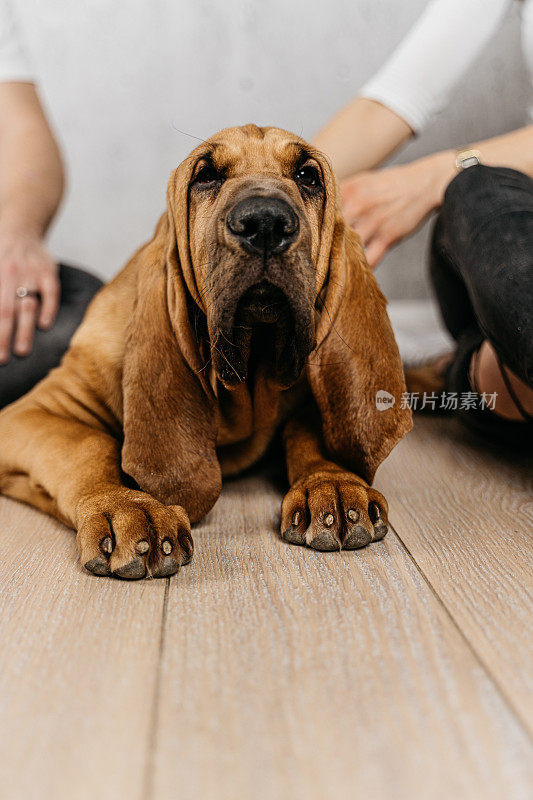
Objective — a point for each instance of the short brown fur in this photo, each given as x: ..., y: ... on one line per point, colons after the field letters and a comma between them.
x: 128, y: 439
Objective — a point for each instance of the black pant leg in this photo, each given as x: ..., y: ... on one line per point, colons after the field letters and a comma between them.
x: 19, y: 375
x: 449, y: 288
x: 480, y: 267
x: 482, y: 262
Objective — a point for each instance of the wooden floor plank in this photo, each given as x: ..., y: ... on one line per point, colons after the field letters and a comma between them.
x: 465, y: 512
x: 289, y: 673
x: 78, y: 662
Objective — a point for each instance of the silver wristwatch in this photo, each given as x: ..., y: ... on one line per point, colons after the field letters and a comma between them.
x: 467, y: 158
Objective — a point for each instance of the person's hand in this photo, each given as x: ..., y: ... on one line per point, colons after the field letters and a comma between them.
x: 25, y: 263
x: 384, y: 206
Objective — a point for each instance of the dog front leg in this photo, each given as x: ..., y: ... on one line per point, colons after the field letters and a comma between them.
x: 72, y: 470
x: 327, y: 507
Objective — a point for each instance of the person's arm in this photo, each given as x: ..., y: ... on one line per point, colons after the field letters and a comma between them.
x: 31, y: 185
x: 385, y: 206
x: 413, y: 85
x: 361, y: 136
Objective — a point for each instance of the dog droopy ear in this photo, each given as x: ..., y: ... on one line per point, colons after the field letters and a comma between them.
x: 355, y: 372
x: 170, y: 417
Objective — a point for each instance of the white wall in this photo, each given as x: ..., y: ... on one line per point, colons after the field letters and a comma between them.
x: 125, y: 82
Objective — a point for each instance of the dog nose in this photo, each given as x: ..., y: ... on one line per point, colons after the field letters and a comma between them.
x: 263, y: 224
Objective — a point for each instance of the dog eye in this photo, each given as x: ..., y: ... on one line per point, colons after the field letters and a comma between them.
x: 207, y: 175
x: 308, y: 176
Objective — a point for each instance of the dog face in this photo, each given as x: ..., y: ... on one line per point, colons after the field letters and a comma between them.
x: 256, y: 202
x: 249, y: 266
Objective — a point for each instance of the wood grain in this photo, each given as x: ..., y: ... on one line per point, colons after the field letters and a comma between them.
x: 266, y: 670
x: 465, y: 512
x: 289, y: 673
x: 78, y: 665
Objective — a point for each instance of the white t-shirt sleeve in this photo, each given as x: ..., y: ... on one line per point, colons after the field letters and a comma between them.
x: 417, y: 80
x: 14, y: 62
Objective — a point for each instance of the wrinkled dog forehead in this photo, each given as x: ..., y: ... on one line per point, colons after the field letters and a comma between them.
x: 250, y: 149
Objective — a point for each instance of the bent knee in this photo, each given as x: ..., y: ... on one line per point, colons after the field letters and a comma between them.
x: 489, y: 183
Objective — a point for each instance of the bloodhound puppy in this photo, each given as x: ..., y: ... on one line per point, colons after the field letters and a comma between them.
x: 251, y: 310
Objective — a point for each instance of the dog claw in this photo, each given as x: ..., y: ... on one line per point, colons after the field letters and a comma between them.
x: 187, y: 545
x: 380, y: 527
x: 142, y: 546
x: 329, y: 519
x: 353, y: 515
x: 166, y: 547
x: 106, y: 545
x: 296, y: 518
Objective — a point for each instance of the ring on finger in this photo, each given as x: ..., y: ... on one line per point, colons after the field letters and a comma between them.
x: 23, y: 292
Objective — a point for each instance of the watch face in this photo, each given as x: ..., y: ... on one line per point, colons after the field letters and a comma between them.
x: 469, y: 161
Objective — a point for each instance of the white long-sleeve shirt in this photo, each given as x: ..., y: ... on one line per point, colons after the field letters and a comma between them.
x: 14, y: 61
x: 417, y: 80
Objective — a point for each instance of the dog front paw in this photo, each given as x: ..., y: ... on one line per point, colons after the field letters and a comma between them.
x: 128, y: 534
x: 333, y: 511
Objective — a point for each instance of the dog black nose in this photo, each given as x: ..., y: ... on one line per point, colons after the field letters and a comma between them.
x: 263, y: 224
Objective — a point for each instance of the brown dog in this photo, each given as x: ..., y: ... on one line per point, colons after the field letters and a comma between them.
x: 252, y: 308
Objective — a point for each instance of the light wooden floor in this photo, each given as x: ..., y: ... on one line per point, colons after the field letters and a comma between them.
x: 266, y: 671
